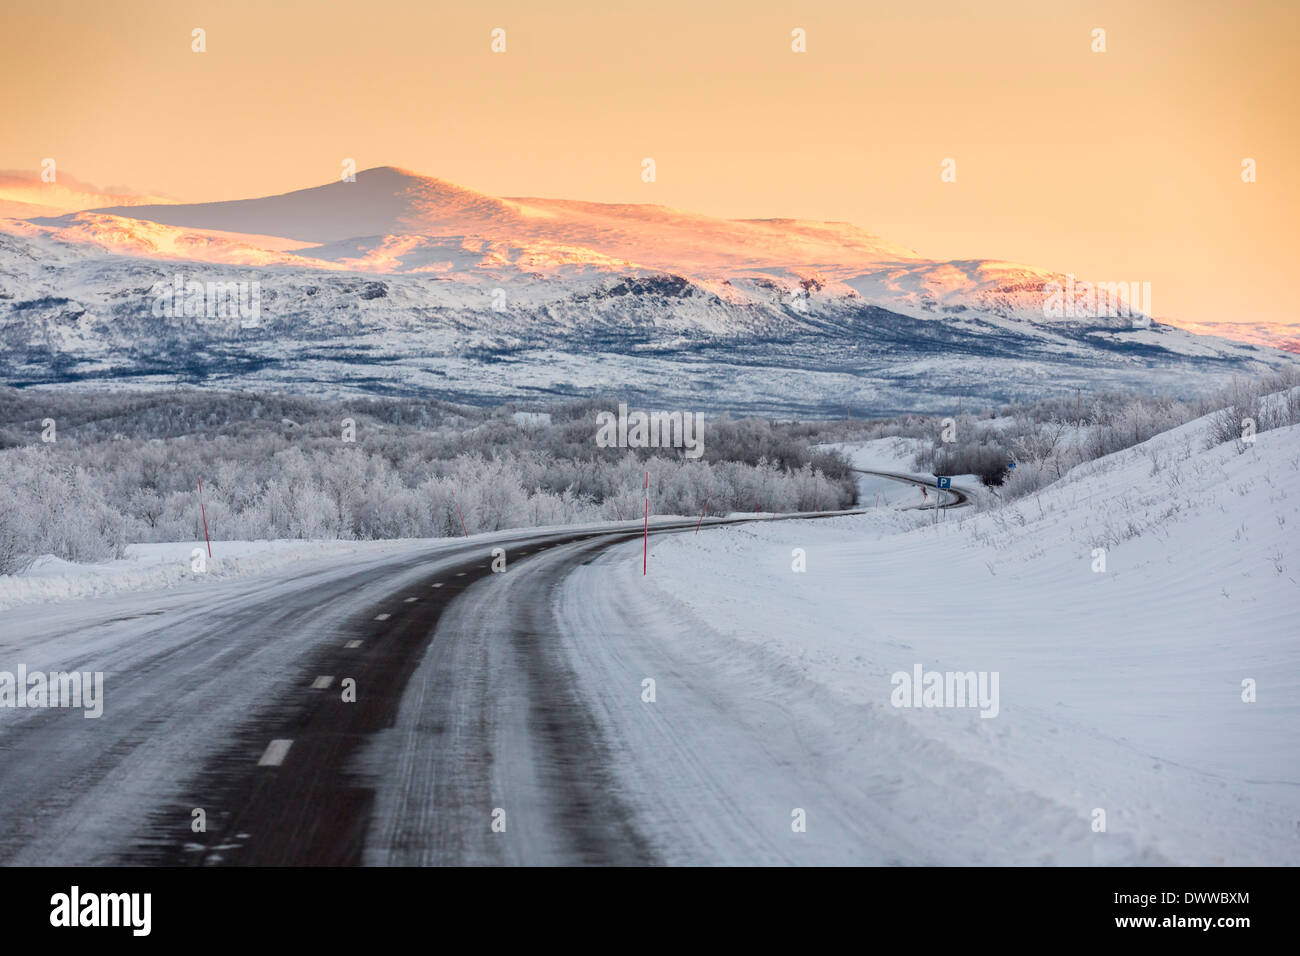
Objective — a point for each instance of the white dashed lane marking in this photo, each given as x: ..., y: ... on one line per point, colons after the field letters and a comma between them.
x: 351, y: 645
x: 460, y: 574
x: 438, y: 585
x: 382, y: 617
x: 275, y: 753
x: 320, y: 683
x: 410, y: 600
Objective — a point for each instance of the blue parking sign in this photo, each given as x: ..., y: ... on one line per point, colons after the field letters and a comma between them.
x: 945, y: 482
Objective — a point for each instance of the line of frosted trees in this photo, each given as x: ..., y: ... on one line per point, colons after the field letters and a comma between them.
x: 86, y: 502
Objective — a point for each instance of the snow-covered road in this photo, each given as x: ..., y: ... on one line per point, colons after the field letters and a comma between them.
x: 184, y: 671
x: 228, y: 696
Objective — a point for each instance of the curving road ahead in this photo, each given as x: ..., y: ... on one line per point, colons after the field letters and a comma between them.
x: 473, y: 697
x: 955, y: 497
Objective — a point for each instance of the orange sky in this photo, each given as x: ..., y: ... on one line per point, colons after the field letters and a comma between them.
x: 1120, y: 166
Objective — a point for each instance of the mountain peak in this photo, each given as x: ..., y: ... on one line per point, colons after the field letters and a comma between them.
x: 383, y: 200
x: 393, y: 173
x: 395, y: 177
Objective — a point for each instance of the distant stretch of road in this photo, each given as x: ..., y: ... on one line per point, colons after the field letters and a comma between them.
x: 954, y: 497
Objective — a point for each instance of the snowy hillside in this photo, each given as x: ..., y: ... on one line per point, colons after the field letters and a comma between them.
x: 1120, y: 689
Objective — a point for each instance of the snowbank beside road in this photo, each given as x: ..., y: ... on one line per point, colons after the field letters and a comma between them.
x: 1126, y: 609
x: 151, y: 566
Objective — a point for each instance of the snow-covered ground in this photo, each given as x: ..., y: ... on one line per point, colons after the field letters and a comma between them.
x: 1120, y: 690
x: 881, y: 454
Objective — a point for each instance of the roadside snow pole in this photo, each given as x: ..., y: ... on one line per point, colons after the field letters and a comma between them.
x: 703, y: 513
x: 459, y: 515
x: 645, y: 548
x: 204, y: 512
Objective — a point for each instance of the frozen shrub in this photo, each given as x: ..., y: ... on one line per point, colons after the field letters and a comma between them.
x: 17, y: 537
x: 52, y: 508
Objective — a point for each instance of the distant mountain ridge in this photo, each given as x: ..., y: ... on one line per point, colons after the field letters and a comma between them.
x: 403, y: 283
x: 391, y: 220
x: 388, y: 202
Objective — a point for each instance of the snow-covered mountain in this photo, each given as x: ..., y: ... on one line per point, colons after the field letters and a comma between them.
x: 402, y: 283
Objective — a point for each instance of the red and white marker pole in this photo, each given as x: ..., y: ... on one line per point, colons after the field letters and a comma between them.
x: 204, y: 512
x: 645, y: 550
x: 703, y: 513
x: 459, y: 515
